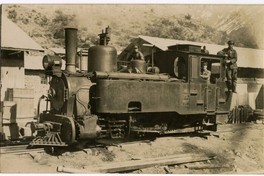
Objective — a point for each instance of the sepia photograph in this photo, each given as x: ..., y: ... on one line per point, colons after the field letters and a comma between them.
x: 131, y: 88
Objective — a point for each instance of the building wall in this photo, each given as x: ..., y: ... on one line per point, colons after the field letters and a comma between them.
x: 260, y: 98
x: 250, y: 72
x: 35, y: 79
x: 12, y: 71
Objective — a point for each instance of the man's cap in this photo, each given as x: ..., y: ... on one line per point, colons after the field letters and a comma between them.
x: 230, y: 42
x: 135, y: 47
x: 205, y: 63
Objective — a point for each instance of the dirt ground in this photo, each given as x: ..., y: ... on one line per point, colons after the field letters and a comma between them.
x: 239, y: 149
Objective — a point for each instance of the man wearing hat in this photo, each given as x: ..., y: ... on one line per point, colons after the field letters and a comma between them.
x: 231, y: 66
x: 136, y: 54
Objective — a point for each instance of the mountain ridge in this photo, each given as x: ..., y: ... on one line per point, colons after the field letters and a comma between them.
x: 127, y: 21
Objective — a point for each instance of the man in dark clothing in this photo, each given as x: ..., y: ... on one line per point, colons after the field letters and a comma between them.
x: 231, y: 66
x: 136, y: 54
x: 204, y: 50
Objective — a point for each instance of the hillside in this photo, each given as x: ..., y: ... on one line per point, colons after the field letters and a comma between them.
x: 202, y: 23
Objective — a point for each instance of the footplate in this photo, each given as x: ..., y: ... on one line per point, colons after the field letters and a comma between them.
x: 54, y: 130
x: 51, y: 139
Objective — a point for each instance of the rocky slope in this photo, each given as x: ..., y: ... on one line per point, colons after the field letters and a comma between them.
x: 42, y: 22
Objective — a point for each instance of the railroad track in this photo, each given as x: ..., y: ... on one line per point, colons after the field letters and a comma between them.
x: 19, y: 149
x: 23, y: 149
x: 126, y: 166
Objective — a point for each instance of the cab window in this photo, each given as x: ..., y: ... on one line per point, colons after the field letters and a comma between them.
x: 180, y: 68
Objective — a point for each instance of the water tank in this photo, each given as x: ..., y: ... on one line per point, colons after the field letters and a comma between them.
x: 102, y: 58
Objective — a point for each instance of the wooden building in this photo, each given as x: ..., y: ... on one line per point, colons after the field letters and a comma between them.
x: 16, y: 46
x: 17, y: 99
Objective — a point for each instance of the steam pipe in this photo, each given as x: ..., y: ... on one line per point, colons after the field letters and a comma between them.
x: 116, y: 75
x: 71, y: 49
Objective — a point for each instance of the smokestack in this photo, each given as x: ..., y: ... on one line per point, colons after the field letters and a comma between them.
x: 71, y: 49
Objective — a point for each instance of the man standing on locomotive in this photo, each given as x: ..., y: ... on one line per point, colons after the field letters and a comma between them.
x: 231, y: 66
x: 204, y: 50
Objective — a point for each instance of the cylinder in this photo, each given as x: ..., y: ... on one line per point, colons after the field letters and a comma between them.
x: 71, y: 49
x: 102, y: 58
x: 139, y: 65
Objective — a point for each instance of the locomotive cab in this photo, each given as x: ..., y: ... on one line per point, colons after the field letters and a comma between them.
x: 185, y: 62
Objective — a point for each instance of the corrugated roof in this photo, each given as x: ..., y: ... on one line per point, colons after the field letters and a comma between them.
x: 247, y: 57
x: 161, y: 43
x: 13, y: 37
x: 58, y: 50
x: 61, y: 51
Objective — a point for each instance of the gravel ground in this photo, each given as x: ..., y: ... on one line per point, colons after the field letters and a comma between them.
x: 239, y: 149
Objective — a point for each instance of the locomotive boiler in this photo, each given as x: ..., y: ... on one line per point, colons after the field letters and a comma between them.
x: 103, y: 102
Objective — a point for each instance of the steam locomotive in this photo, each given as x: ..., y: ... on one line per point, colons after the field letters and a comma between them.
x: 103, y: 102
